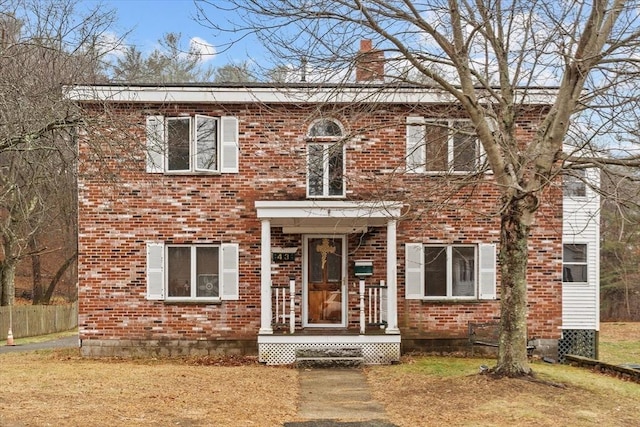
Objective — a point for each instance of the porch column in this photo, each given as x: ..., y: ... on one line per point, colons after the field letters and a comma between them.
x: 265, y: 279
x: 392, y: 286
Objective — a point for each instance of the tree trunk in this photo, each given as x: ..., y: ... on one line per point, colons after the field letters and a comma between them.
x: 36, y: 270
x: 512, y: 349
x: 54, y: 281
x: 7, y: 276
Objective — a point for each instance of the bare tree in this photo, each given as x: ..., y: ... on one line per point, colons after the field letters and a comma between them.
x: 170, y: 63
x: 44, y: 44
x: 620, y: 248
x: 488, y: 57
x: 234, y: 73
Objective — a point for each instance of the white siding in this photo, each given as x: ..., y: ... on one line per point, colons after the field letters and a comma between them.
x: 579, y: 306
x: 581, y: 225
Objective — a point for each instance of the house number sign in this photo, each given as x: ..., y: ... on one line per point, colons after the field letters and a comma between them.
x: 283, y: 256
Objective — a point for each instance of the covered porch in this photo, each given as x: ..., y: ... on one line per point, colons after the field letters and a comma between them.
x: 316, y: 290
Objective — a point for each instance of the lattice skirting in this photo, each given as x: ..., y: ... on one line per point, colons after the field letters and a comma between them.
x: 282, y: 353
x: 579, y: 342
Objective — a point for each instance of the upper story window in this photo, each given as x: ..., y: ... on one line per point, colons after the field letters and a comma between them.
x: 325, y: 160
x: 192, y: 144
x: 442, y: 146
x: 573, y: 183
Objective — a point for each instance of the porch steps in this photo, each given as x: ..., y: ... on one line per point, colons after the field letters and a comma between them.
x: 336, y: 357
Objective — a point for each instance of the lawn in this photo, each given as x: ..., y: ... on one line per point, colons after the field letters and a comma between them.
x: 620, y: 343
x: 59, y: 388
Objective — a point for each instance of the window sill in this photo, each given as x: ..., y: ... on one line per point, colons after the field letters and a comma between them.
x: 191, y: 301
x: 343, y: 196
x: 444, y: 301
x: 187, y: 173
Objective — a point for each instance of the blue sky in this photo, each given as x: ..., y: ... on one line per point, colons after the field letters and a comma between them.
x: 148, y: 20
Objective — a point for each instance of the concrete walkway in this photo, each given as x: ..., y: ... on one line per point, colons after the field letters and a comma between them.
x: 337, y: 397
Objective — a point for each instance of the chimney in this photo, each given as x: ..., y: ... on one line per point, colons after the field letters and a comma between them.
x: 369, y: 63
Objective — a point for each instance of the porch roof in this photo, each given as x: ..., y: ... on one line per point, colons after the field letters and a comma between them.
x: 336, y: 216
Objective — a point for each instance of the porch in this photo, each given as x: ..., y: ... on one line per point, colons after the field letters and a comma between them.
x: 321, y: 306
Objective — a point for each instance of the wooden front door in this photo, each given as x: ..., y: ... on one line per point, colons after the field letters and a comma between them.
x: 325, y: 265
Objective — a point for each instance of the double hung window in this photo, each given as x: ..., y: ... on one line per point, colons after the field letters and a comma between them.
x: 192, y: 144
x: 450, y: 271
x: 192, y: 272
x: 325, y: 160
x: 442, y: 146
x: 573, y: 183
x: 574, y: 263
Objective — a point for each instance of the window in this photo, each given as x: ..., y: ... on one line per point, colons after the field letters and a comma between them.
x: 574, y: 263
x: 450, y: 271
x: 325, y: 161
x: 441, y: 146
x: 192, y: 272
x: 192, y: 144
x: 573, y: 183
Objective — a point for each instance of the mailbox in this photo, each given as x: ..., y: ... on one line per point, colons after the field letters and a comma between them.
x: 363, y: 268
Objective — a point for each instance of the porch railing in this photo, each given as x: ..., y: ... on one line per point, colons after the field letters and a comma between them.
x: 284, y: 308
x: 373, y: 303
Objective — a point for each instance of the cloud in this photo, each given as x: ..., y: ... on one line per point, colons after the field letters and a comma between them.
x: 203, y: 48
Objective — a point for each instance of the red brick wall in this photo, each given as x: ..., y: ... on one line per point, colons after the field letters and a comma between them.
x: 122, y: 209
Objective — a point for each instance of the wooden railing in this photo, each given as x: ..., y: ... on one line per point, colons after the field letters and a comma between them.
x: 33, y: 320
x: 372, y: 305
x: 284, y: 305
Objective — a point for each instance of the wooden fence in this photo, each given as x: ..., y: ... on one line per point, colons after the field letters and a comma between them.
x: 32, y: 320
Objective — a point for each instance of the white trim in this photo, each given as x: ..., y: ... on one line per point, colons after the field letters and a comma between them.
x: 392, y: 277
x: 328, y: 339
x: 327, y: 209
x: 265, y: 278
x: 285, y: 94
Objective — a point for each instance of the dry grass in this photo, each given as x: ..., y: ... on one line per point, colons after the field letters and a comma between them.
x: 61, y: 389
x: 620, y: 342
x: 441, y: 391
x: 413, y: 396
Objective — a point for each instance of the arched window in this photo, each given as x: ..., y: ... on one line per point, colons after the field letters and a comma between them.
x: 325, y: 161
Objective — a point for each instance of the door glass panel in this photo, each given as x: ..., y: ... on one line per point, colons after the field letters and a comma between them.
x: 324, y: 281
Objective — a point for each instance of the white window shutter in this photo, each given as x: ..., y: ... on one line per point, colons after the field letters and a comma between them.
x: 155, y: 271
x: 155, y: 144
x: 230, y: 273
x: 230, y: 149
x: 416, y: 149
x: 487, y: 271
x: 414, y: 271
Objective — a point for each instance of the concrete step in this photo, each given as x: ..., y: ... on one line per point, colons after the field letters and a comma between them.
x: 336, y: 357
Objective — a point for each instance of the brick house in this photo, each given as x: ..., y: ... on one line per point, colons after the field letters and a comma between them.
x: 262, y: 219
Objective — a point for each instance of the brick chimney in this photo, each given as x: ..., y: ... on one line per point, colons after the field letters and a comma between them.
x: 369, y: 63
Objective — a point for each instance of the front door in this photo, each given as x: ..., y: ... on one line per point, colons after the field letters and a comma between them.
x: 324, y: 273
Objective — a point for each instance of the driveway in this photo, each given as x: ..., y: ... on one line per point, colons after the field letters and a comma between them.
x: 64, y: 342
